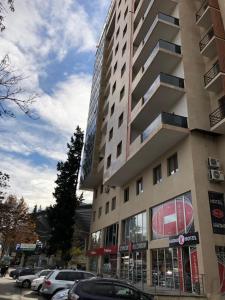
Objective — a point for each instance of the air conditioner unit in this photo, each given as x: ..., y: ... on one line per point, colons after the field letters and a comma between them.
x: 107, y: 188
x: 216, y: 175
x: 213, y: 163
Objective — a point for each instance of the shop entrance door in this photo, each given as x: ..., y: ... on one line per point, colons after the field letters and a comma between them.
x: 139, y: 270
x: 187, y: 269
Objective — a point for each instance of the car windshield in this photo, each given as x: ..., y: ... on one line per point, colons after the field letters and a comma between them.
x: 49, y: 274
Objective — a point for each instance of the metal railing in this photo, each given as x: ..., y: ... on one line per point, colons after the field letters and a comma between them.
x: 206, y: 39
x: 217, y: 115
x: 164, y: 118
x: 202, y: 9
x: 211, y: 74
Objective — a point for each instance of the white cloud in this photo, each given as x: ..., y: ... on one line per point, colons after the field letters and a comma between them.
x: 38, y: 32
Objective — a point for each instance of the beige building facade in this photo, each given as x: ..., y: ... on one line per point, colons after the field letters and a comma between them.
x: 155, y: 147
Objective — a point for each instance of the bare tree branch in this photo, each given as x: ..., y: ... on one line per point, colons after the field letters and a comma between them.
x: 11, y: 93
x: 4, y: 4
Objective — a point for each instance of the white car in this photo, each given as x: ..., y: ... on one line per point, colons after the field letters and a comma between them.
x: 25, y: 281
x: 61, y: 295
x: 36, y: 284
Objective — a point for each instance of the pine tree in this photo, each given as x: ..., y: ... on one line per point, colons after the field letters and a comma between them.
x: 61, y: 215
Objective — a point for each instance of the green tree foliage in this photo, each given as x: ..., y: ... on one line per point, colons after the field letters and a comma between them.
x: 61, y: 215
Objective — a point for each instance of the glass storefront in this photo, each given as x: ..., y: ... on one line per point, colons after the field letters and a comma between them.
x: 220, y: 253
x: 110, y: 241
x: 173, y: 217
x: 176, y: 268
x: 133, y: 259
x: 96, y: 239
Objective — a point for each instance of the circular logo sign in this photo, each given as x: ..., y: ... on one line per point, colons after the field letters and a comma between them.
x: 181, y: 240
x: 218, y: 213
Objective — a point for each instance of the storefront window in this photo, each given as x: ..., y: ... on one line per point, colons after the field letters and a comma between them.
x: 111, y: 235
x: 96, y: 239
x: 173, y: 217
x: 93, y: 263
x: 135, y: 229
x: 220, y: 253
x: 176, y: 268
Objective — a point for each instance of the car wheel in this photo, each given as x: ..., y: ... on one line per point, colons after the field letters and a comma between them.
x: 39, y: 288
x: 26, y: 284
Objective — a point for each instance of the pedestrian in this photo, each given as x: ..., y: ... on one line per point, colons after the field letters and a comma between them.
x: 3, y: 271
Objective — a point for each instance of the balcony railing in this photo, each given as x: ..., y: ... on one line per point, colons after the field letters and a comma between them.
x: 168, y: 18
x: 168, y: 79
x: 206, y: 39
x: 217, y: 116
x: 202, y: 9
x: 164, y: 118
x: 212, y: 73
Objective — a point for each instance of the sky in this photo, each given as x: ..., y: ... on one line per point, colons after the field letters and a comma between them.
x: 52, y: 44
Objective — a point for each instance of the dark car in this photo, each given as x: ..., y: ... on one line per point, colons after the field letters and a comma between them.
x: 106, y: 289
x: 22, y: 272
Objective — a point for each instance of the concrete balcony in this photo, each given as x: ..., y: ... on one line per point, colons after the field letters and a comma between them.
x: 163, y: 58
x: 164, y: 28
x: 217, y: 119
x: 203, y: 16
x: 214, y: 79
x: 167, y: 7
x: 161, y: 96
x: 207, y: 44
x: 140, y: 11
x: 166, y: 131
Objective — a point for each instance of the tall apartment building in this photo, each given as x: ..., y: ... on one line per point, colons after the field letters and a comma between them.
x: 155, y: 146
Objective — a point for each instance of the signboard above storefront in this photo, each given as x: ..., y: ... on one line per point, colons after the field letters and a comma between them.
x: 184, y: 240
x: 132, y: 247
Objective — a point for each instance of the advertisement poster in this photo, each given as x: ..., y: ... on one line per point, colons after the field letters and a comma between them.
x: 217, y: 208
x: 220, y: 252
x: 194, y: 269
x: 173, y: 217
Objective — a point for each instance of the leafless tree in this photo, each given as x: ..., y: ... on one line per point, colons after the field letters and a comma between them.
x: 4, y: 4
x: 11, y: 92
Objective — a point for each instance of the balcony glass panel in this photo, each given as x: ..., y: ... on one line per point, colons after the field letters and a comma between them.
x: 206, y: 39
x: 164, y: 118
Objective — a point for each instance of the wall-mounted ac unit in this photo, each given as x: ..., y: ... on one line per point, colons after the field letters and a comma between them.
x: 216, y: 175
x: 107, y: 189
x: 213, y: 163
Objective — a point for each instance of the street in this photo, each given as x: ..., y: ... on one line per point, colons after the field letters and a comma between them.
x: 9, y: 291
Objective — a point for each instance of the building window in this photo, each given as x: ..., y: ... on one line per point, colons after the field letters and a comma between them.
x: 126, y: 11
x: 95, y: 193
x: 120, y: 120
x: 118, y: 31
x: 107, y: 208
x: 122, y: 92
x: 117, y: 48
x: 123, y: 69
x: 99, y: 212
x: 126, y: 194
x: 119, y: 149
x: 118, y: 16
x: 94, y: 215
x: 111, y: 235
x: 112, y: 109
x: 119, y: 3
x: 113, y: 207
x: 124, y: 48
x: 115, y: 67
x: 134, y: 229
x: 125, y: 30
x: 157, y: 174
x: 114, y: 87
x: 108, y: 161
x: 110, y: 134
x: 172, y: 164
x: 139, y: 186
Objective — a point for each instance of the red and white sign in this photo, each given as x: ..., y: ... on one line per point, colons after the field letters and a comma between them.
x: 174, y: 217
x: 194, y: 266
x: 102, y: 251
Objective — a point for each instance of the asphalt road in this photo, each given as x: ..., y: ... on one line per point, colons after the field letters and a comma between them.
x: 8, y: 291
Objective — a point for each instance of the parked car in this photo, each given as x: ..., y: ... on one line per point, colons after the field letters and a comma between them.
x: 104, y: 289
x: 61, y: 295
x: 26, y: 280
x: 58, y: 280
x: 22, y: 272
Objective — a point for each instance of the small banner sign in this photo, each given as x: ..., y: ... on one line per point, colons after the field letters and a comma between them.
x: 184, y: 240
x: 217, y: 208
